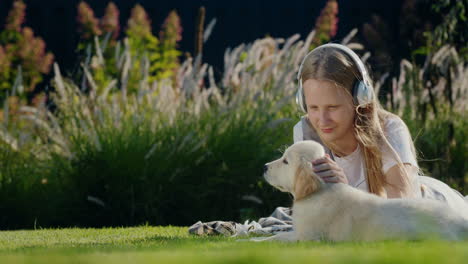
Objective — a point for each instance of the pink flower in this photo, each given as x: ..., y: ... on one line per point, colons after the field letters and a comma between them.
x: 171, y: 31
x: 87, y: 22
x: 110, y: 21
x: 15, y: 17
x: 139, y: 23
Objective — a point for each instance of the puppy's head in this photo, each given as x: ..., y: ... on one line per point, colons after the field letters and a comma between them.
x: 293, y: 171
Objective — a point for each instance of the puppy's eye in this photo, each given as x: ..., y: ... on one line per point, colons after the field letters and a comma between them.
x: 285, y: 161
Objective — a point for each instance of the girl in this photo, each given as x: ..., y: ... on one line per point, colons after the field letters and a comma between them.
x: 368, y: 148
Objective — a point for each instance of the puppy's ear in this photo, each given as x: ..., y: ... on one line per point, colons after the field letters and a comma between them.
x: 305, y: 182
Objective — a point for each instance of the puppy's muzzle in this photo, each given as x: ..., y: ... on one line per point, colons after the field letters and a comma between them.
x: 265, y: 168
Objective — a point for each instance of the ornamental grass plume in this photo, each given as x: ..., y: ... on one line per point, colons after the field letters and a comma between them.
x: 88, y: 24
x: 420, y: 92
x: 326, y: 24
x: 16, y: 16
x: 110, y: 20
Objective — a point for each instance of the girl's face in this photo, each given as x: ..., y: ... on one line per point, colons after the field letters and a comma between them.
x: 330, y: 110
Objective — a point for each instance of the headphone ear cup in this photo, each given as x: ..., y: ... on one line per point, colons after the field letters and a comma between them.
x: 361, y: 93
x: 300, y: 100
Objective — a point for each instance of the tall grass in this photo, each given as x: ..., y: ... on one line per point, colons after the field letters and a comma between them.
x: 169, y: 153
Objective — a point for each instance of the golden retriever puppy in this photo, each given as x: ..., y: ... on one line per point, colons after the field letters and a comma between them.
x: 339, y: 212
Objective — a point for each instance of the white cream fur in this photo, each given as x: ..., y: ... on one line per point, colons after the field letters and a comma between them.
x: 339, y: 212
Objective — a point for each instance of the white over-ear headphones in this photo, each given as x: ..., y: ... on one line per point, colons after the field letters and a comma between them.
x: 363, y: 93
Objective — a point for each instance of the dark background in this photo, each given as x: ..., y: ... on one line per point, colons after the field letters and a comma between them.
x: 238, y: 22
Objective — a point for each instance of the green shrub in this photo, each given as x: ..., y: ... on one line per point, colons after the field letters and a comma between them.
x: 166, y: 154
x: 432, y: 100
x: 442, y: 147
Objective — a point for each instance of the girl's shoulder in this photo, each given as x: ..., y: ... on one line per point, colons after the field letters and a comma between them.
x: 399, y: 138
x: 394, y: 121
x: 395, y: 126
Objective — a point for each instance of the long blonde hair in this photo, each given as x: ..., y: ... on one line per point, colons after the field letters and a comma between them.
x: 334, y: 65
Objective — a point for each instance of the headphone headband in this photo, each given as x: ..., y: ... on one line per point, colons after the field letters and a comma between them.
x: 350, y: 52
x: 362, y: 90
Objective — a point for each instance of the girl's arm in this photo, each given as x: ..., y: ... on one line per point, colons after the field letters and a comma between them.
x: 398, y: 184
x: 402, y: 181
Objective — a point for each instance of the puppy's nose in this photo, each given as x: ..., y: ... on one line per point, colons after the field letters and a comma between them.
x: 265, y: 168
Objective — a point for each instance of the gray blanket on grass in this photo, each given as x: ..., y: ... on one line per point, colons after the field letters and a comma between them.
x: 279, y: 221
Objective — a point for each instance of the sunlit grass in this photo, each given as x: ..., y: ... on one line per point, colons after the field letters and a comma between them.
x: 174, y: 245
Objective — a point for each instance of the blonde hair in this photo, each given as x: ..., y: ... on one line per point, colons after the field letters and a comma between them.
x: 334, y: 65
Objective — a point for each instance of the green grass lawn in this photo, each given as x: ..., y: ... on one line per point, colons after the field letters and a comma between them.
x: 175, y: 245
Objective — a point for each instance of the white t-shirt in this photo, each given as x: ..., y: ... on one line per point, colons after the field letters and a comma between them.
x: 353, y: 164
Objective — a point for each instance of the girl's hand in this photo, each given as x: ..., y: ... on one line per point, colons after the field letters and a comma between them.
x: 328, y: 170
